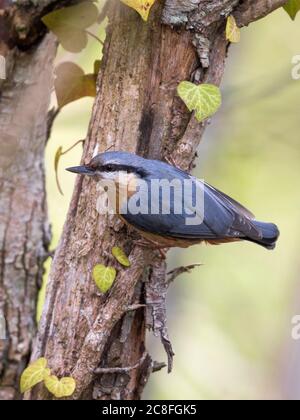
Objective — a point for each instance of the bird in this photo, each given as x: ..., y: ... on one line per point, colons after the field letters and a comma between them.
x: 214, y: 219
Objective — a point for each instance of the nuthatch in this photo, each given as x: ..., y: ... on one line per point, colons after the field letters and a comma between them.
x: 221, y: 219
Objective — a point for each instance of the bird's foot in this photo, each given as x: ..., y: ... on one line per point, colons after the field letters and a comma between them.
x: 153, y: 245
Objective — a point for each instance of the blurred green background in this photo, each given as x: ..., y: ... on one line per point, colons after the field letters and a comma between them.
x: 230, y: 320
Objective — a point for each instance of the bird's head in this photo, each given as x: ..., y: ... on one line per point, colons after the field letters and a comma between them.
x: 119, y: 167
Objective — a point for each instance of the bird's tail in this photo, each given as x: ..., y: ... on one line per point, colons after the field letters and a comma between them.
x: 270, y: 234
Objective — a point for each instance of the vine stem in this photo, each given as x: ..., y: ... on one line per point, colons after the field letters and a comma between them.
x: 94, y: 36
x: 58, y: 155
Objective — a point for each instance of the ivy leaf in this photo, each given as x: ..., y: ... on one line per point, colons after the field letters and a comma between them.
x: 204, y: 99
x: 34, y: 374
x: 71, y: 83
x: 120, y: 256
x: 60, y: 388
x: 104, y: 277
x: 143, y: 7
x: 292, y: 7
x: 233, y: 33
x: 69, y: 24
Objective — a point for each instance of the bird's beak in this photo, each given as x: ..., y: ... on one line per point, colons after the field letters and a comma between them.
x: 82, y: 170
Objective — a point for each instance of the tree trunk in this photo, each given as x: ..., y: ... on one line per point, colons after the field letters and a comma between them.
x: 136, y: 109
x: 24, y: 231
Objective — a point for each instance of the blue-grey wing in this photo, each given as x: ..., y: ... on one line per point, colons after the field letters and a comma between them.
x: 217, y: 216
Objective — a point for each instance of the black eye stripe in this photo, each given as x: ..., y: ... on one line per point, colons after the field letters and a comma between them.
x: 111, y: 167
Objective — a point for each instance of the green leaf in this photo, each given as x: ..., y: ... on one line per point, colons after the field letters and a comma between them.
x: 204, y: 99
x: 104, y: 277
x: 34, y: 374
x: 120, y: 256
x: 60, y: 388
x: 143, y: 7
x: 233, y: 32
x: 292, y: 7
x: 70, y: 23
x: 72, y: 84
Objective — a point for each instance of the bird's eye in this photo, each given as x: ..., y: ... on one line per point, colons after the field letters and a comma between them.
x: 109, y: 168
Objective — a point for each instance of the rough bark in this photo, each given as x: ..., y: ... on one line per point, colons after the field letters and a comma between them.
x: 24, y: 231
x: 20, y: 22
x: 137, y: 110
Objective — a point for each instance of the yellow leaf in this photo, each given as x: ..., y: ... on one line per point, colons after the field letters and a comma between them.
x: 71, y: 83
x: 233, y: 33
x: 56, y: 162
x: 34, y: 374
x: 59, y: 153
x: 60, y: 388
x: 104, y: 277
x: 69, y: 24
x: 120, y: 256
x: 57, y: 157
x: 141, y: 6
x: 292, y: 7
x: 97, y: 65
